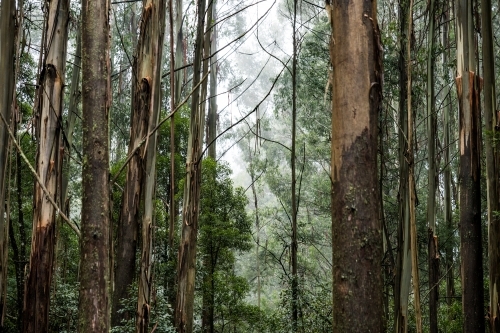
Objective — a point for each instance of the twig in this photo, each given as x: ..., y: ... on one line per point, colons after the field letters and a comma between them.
x: 44, y: 189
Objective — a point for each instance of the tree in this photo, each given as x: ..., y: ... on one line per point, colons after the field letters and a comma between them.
x: 470, y: 173
x: 432, y: 175
x: 147, y: 102
x: 224, y: 229
x: 94, y: 301
x: 355, y: 53
x: 7, y: 27
x: 49, y: 167
x: 186, y: 267
x: 491, y: 151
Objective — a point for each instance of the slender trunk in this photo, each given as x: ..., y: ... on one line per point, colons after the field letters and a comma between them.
x: 74, y: 99
x: 492, y: 160
x: 148, y: 99
x: 128, y: 225
x: 403, y: 263
x: 432, y: 173
x: 95, y: 271
x: 212, y: 107
x: 257, y: 228
x: 38, y: 282
x: 448, y: 209
x: 294, y: 244
x: 186, y: 268
x: 356, y: 56
x: 470, y: 200
x: 411, y: 184
x: 7, y: 26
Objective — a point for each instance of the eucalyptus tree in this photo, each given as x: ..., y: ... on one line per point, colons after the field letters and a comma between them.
x: 186, y: 267
x: 403, y: 260
x: 447, y: 174
x: 146, y: 104
x: 7, y: 42
x: 38, y: 281
x: 467, y: 82
x: 94, y: 278
x: 492, y: 167
x: 356, y: 57
x: 432, y: 173
x: 139, y: 186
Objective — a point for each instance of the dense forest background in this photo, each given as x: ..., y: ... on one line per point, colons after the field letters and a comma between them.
x: 169, y: 166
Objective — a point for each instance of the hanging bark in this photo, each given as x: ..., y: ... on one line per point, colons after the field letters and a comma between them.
x: 95, y: 272
x: 191, y: 204
x: 470, y: 195
x: 492, y: 161
x: 356, y: 58
x: 128, y: 225
x: 37, y: 297
x: 7, y: 26
x: 150, y: 47
x: 403, y: 263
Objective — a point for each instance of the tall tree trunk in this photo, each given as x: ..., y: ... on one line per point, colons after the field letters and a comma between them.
x: 7, y: 26
x: 74, y: 99
x: 470, y: 173
x: 186, y: 268
x: 448, y: 208
x: 403, y: 263
x: 490, y: 119
x: 208, y: 320
x: 356, y: 58
x: 130, y: 215
x: 38, y: 282
x: 147, y: 104
x: 295, y: 209
x: 411, y: 183
x: 431, y: 186
x: 95, y: 273
x: 212, y: 107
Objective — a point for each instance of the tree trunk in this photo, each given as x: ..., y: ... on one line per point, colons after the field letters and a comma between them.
x: 411, y: 184
x: 212, y: 107
x: 490, y: 119
x: 431, y: 185
x: 448, y: 208
x: 294, y: 199
x: 95, y: 273
x: 403, y: 263
x: 7, y: 26
x: 356, y: 58
x: 186, y: 268
x: 470, y: 173
x: 147, y: 104
x: 38, y: 282
x: 74, y: 99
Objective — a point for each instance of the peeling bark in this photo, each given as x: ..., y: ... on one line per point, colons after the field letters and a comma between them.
x: 38, y: 282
